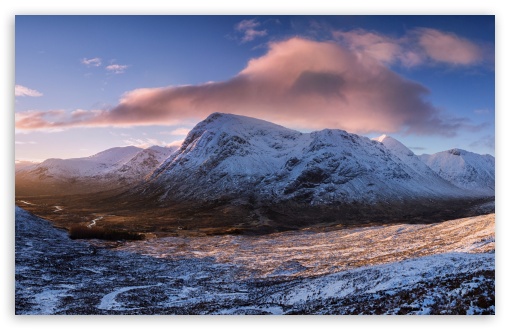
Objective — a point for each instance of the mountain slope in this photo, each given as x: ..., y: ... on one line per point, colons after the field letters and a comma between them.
x: 419, y: 168
x: 108, y: 169
x: 21, y: 164
x: 464, y: 169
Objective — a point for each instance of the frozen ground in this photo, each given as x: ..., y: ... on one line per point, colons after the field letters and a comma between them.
x: 445, y: 268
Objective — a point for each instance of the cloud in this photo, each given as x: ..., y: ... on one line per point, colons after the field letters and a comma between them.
x: 487, y: 141
x: 299, y: 83
x: 178, y: 131
x: 25, y: 91
x: 149, y: 142
x: 481, y: 111
x: 419, y: 46
x: 176, y: 143
x: 143, y: 143
x: 116, y: 68
x: 92, y: 62
x: 378, y: 46
x: 448, y: 47
x: 248, y: 29
x: 25, y: 142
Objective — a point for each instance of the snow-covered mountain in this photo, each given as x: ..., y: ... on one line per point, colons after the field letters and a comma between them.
x: 464, y: 169
x: 114, y: 167
x: 98, y: 164
x: 235, y: 157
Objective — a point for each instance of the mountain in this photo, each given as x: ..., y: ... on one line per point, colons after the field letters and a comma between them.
x: 464, y: 169
x: 234, y: 156
x: 233, y: 163
x: 239, y: 174
x: 112, y: 168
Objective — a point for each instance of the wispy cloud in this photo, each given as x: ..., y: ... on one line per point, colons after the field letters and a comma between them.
x: 300, y: 83
x: 419, y: 46
x: 448, y: 47
x: 481, y: 111
x: 178, y: 131
x: 248, y: 30
x: 149, y: 142
x: 25, y: 142
x: 92, y: 62
x: 487, y: 141
x: 25, y: 91
x: 116, y: 68
x: 176, y: 143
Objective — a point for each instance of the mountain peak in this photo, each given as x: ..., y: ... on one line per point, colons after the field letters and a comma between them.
x: 456, y: 151
x: 394, y: 145
x: 382, y: 138
x: 220, y: 119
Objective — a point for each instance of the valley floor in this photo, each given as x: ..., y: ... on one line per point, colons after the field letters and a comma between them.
x: 442, y: 268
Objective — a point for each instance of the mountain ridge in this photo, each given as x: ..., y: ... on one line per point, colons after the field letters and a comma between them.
x: 465, y: 169
x: 111, y: 168
x: 229, y: 152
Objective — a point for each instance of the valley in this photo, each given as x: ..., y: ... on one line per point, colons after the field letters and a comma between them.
x: 445, y: 268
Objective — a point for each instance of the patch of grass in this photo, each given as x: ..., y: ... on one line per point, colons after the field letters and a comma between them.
x: 84, y: 232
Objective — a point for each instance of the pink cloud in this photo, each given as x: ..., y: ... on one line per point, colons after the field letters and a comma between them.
x: 116, y: 68
x: 417, y: 47
x: 96, y: 61
x: 178, y: 131
x: 25, y: 91
x: 378, y: 46
x: 248, y: 28
x: 298, y: 83
x: 448, y: 47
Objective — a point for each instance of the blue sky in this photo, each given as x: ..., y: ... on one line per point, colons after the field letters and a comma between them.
x: 88, y: 83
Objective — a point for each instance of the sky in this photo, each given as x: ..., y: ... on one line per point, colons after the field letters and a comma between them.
x: 84, y: 84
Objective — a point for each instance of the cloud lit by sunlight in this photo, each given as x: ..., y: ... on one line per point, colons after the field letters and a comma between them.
x: 298, y: 83
x: 116, y: 68
x: 91, y: 62
x: 25, y: 91
x: 248, y: 28
x: 417, y: 47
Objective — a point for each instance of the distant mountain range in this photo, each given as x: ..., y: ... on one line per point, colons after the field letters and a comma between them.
x: 266, y: 171
x: 109, y: 169
x: 464, y: 169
